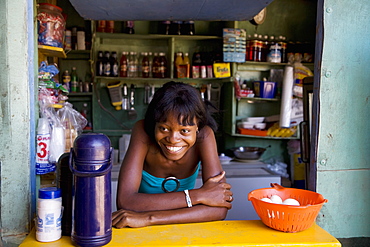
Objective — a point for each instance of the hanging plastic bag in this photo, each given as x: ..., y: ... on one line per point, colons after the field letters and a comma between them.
x: 73, y: 123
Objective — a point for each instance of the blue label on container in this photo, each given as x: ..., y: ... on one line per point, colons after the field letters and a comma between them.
x: 49, y: 219
x: 42, y: 168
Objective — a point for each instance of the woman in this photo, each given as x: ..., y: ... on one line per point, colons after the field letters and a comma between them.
x: 166, y: 150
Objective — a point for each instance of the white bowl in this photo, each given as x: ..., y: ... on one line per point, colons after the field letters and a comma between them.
x: 255, y: 119
x: 260, y: 126
x: 246, y: 125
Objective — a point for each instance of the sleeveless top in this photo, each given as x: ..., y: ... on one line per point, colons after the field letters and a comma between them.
x: 153, y: 185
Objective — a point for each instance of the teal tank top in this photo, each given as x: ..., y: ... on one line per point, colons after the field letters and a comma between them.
x: 153, y: 185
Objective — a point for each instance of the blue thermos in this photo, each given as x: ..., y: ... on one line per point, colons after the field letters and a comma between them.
x: 91, y: 164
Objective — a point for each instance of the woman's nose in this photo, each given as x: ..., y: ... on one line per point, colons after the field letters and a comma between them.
x: 173, y: 137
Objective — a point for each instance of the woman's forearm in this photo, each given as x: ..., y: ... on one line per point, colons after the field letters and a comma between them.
x: 198, y: 213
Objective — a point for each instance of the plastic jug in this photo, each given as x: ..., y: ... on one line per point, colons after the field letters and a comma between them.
x: 91, y: 164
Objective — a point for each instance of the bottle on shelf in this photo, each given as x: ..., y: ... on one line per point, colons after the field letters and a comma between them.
x: 99, y: 64
x: 85, y: 113
x: 106, y: 64
x: 178, y: 61
x: 130, y: 27
x: 196, y: 64
x: 283, y: 48
x: 175, y: 27
x: 110, y: 27
x: 139, y: 64
x: 145, y: 69
x: 74, y: 38
x: 186, y: 58
x: 101, y: 25
x: 86, y: 84
x: 123, y: 64
x: 186, y: 61
x: 164, y: 27
x: 162, y: 72
x: 66, y: 79
x: 155, y: 67
x: 265, y: 48
x: 132, y: 65
x: 274, y: 55
x: 113, y: 65
x: 188, y: 28
x: 74, y: 80
x: 150, y: 58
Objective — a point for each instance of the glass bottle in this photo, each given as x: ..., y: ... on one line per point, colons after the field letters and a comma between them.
x: 188, y: 28
x: 106, y: 64
x: 123, y: 64
x: 66, y: 79
x: 155, y: 67
x: 145, y: 66
x: 132, y: 64
x: 162, y: 73
x: 113, y: 65
x: 99, y: 64
x: 179, y: 60
x: 74, y: 80
x: 164, y: 27
x: 186, y: 58
x: 130, y: 27
x: 150, y: 58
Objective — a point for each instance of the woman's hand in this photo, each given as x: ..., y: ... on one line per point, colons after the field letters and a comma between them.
x: 125, y: 218
x: 216, y: 193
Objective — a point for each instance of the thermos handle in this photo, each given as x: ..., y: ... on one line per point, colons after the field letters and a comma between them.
x: 88, y: 174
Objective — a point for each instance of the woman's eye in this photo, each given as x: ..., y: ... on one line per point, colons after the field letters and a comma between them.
x: 185, y: 131
x: 163, y: 129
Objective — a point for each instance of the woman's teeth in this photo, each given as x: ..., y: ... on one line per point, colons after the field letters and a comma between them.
x: 173, y: 149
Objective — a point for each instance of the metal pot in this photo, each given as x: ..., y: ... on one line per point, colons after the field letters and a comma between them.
x: 248, y: 153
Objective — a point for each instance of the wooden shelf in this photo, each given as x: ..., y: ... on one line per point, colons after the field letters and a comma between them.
x: 50, y: 51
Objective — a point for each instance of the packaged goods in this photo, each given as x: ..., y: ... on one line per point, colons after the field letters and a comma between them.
x: 51, y: 25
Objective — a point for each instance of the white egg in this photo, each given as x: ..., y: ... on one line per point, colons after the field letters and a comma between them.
x: 266, y: 200
x: 291, y: 201
x: 276, y: 199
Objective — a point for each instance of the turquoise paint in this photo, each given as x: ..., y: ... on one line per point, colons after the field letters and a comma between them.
x: 343, y: 138
x: 17, y: 47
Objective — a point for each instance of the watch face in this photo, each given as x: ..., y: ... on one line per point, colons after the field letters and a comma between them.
x: 259, y: 18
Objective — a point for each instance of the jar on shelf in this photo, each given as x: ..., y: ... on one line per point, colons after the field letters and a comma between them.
x: 51, y: 25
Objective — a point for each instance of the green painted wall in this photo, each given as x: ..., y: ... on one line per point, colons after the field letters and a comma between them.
x: 16, y: 119
x: 344, y: 108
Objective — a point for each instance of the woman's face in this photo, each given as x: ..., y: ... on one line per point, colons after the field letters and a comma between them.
x: 173, y: 138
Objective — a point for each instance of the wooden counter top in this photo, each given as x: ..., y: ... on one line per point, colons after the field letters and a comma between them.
x: 217, y: 233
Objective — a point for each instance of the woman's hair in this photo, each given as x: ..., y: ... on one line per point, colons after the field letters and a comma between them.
x: 181, y: 99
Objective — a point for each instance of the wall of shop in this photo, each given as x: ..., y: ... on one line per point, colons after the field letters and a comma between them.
x: 17, y: 119
x: 343, y: 116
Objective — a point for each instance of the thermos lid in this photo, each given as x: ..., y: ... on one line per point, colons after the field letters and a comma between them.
x: 49, y: 193
x: 92, y: 147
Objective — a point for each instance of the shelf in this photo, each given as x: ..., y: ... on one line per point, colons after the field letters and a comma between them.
x: 50, y: 51
x: 264, y: 66
x: 161, y: 81
x: 79, y: 94
x: 78, y: 54
x: 256, y: 99
x: 155, y: 36
x: 266, y: 137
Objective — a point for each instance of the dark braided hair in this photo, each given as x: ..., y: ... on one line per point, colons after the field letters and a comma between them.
x: 181, y: 99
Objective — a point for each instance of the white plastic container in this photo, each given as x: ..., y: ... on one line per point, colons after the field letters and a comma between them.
x: 49, y: 215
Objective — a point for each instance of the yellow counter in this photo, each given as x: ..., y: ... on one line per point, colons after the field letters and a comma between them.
x: 217, y: 233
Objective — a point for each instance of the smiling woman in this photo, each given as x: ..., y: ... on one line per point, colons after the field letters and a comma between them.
x: 167, y: 148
